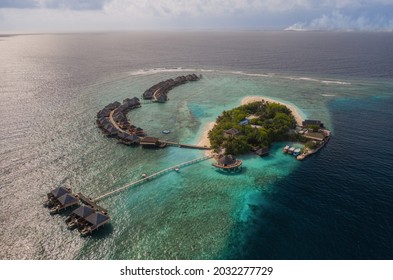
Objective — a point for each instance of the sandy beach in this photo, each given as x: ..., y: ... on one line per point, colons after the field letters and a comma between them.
x: 204, y: 140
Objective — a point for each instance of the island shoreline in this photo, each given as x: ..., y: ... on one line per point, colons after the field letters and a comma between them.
x: 204, y: 138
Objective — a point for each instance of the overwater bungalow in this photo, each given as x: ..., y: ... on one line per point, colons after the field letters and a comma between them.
x: 110, y: 130
x: 93, y: 222
x: 56, y: 193
x: 160, y: 96
x: 77, y: 217
x: 63, y: 202
x: 103, y: 113
x: 151, y: 142
x: 128, y: 139
x: 228, y: 163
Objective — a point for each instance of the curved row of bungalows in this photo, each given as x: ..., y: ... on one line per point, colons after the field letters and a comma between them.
x: 87, y: 219
x: 60, y: 198
x: 158, y: 92
x: 128, y: 139
x: 107, y: 109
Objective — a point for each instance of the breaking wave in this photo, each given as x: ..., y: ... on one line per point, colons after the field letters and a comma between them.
x: 143, y: 72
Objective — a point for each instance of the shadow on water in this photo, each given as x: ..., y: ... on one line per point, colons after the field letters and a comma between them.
x: 242, y: 171
x: 102, y: 232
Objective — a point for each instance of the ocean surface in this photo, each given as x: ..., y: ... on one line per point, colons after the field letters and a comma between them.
x: 336, y: 204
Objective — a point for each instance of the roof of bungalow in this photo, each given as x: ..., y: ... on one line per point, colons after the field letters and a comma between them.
x: 83, y: 211
x: 97, y: 218
x: 68, y: 200
x: 244, y: 121
x: 312, y: 122
x: 123, y: 135
x: 149, y: 141
x: 103, y: 113
x: 315, y: 136
x: 59, y: 191
x: 160, y: 97
x: 131, y: 137
x: 232, y: 131
x: 226, y: 160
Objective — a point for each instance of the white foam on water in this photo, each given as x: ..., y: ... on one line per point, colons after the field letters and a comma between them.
x: 144, y: 72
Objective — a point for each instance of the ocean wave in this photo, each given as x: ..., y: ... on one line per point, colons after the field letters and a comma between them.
x: 328, y: 95
x: 142, y: 72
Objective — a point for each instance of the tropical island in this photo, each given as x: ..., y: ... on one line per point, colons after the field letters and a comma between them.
x: 254, y: 126
x: 258, y: 123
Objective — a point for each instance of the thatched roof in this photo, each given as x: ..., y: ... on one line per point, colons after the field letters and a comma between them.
x: 226, y: 160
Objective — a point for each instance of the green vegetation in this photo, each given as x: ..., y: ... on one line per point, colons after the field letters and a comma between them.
x: 269, y: 122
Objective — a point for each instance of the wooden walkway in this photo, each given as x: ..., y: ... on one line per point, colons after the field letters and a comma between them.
x: 185, y: 145
x: 154, y: 175
x: 114, y: 123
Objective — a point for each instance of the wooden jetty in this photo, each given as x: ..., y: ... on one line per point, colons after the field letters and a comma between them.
x: 154, y: 175
x: 170, y: 143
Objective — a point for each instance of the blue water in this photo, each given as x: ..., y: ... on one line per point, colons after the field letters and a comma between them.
x: 334, y: 205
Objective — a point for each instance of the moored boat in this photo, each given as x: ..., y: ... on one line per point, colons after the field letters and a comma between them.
x: 296, y: 152
x: 291, y: 150
x: 286, y: 148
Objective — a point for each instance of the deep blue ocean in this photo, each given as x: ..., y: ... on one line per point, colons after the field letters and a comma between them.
x: 336, y: 204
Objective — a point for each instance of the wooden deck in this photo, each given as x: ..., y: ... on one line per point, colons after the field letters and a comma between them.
x: 189, y: 146
x: 152, y: 176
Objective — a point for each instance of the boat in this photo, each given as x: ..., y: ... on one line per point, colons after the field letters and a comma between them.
x: 166, y: 131
x: 296, y: 152
x: 177, y: 169
x: 285, y: 150
x: 144, y: 175
x: 291, y: 150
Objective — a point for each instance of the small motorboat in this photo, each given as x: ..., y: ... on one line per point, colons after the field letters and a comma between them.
x: 166, y: 131
x: 144, y: 175
x: 177, y: 169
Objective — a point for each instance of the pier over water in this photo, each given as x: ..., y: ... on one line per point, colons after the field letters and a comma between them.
x: 154, y: 175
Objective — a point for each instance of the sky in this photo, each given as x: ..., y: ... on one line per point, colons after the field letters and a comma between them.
x: 30, y: 16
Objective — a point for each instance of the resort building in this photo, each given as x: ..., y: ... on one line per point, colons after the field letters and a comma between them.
x: 228, y: 163
x: 232, y: 132
x: 306, y: 123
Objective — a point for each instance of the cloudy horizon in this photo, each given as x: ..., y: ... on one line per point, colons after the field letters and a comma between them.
x: 119, y: 15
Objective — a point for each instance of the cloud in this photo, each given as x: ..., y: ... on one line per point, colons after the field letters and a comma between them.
x: 158, y: 14
x: 54, y: 4
x: 75, y: 4
x: 19, y: 4
x: 338, y: 21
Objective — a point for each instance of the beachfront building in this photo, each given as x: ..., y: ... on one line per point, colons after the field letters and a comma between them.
x: 307, y: 123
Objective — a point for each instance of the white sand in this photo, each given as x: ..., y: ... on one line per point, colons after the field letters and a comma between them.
x: 204, y: 140
x: 294, y: 109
